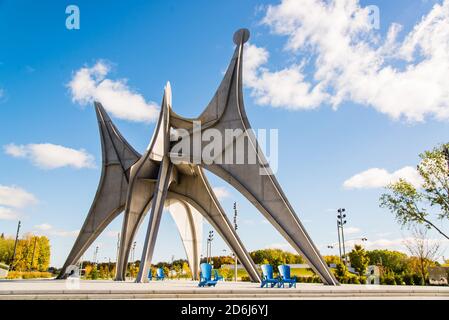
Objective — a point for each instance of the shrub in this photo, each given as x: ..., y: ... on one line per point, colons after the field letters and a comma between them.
x: 388, y: 279
x: 28, y: 275
x: 398, y: 279
x: 418, y: 280
x: 355, y: 280
x: 362, y: 279
x: 245, y: 278
x: 408, y: 279
x: 316, y: 279
x: 94, y: 274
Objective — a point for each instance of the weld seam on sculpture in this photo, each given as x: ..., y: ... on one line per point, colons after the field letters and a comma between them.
x: 153, y: 180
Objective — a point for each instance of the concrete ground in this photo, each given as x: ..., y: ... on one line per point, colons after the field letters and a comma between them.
x: 179, y: 289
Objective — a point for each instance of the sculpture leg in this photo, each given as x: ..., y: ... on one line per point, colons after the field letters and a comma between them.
x: 266, y: 195
x: 160, y: 193
x: 110, y: 198
x: 136, y: 208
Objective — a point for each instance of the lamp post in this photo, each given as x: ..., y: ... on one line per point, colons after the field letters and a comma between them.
x: 95, y: 255
x: 340, y: 228
x: 209, y: 245
x: 134, y: 249
x: 235, y: 228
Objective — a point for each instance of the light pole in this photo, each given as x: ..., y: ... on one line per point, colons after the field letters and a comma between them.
x: 95, y: 255
x: 15, y: 245
x: 340, y: 223
x: 134, y: 249
x: 339, y: 240
x: 235, y: 228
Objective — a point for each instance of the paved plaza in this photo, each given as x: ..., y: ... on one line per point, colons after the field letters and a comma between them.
x: 179, y: 289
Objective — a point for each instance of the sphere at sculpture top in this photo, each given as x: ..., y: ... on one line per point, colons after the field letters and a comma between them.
x: 241, y: 35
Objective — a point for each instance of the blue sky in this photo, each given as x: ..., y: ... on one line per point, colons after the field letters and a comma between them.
x: 336, y: 118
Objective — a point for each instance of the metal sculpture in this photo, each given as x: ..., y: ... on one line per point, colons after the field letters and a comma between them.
x: 171, y: 174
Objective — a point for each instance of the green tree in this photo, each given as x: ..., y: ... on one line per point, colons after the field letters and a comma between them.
x: 6, y: 250
x: 359, y: 259
x: 43, y: 257
x: 341, y: 270
x: 275, y: 257
x: 394, y: 261
x: 331, y: 259
x: 411, y: 205
x: 94, y: 274
x: 186, y: 270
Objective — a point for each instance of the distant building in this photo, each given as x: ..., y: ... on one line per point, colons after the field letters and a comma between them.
x: 438, y: 275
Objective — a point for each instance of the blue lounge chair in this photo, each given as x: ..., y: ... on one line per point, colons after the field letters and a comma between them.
x: 160, y: 274
x: 267, y: 276
x: 206, y: 276
x: 284, y: 271
x: 217, y: 277
x: 150, y: 275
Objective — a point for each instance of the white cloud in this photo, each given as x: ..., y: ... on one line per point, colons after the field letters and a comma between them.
x: 352, y: 230
x: 378, y: 178
x: 221, y: 192
x: 281, y: 245
x: 89, y: 84
x: 283, y: 88
x: 51, y: 156
x: 13, y: 198
x: 351, y: 62
x: 391, y: 244
x: 64, y: 233
x: 8, y: 214
x: 49, y: 230
x: 16, y: 197
x: 43, y: 227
